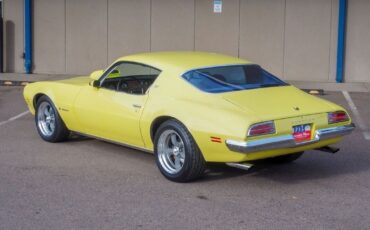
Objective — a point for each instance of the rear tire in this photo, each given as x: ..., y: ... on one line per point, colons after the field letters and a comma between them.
x: 285, y: 158
x: 49, y: 124
x: 177, y: 155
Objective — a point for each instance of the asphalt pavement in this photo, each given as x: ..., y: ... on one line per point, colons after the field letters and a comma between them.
x: 90, y: 184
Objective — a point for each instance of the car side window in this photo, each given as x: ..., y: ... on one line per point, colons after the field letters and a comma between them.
x: 128, y: 77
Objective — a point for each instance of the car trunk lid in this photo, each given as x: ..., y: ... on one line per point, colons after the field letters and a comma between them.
x: 277, y: 102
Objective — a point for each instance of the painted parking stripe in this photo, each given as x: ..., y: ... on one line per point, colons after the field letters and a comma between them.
x: 367, y: 135
x: 356, y: 113
x: 14, y: 118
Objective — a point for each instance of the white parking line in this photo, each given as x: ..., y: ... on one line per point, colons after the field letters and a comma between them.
x: 367, y: 135
x: 356, y: 113
x: 14, y: 118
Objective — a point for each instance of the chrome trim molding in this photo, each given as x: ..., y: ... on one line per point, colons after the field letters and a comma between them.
x: 287, y: 141
x: 243, y: 166
x: 114, y: 142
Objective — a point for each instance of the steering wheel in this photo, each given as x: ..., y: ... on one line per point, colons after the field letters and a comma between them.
x: 121, y: 81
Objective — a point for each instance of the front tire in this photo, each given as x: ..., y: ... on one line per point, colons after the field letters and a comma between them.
x: 49, y: 124
x: 177, y: 155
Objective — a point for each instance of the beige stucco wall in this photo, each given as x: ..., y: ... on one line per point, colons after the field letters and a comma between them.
x: 307, y: 40
x: 295, y: 39
x: 128, y: 27
x: 86, y: 35
x: 217, y: 32
x: 262, y: 36
x: 13, y: 37
x: 49, y: 37
x: 172, y: 25
x: 357, y: 67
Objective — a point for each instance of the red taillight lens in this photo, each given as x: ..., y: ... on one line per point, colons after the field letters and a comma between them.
x: 262, y: 128
x: 339, y: 116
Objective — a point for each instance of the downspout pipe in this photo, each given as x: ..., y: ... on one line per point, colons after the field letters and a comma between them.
x: 342, y: 19
x: 28, y: 36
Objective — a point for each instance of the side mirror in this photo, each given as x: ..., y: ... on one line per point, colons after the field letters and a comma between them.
x: 95, y: 84
x: 96, y: 74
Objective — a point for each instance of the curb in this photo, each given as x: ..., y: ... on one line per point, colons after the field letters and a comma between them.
x: 314, y: 91
x: 14, y: 83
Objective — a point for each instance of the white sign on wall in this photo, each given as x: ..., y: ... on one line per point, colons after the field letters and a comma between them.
x: 217, y: 6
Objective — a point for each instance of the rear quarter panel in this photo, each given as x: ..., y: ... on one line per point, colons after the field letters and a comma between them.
x: 208, y: 115
x: 203, y: 114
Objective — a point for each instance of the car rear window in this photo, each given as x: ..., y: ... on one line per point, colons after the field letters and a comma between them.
x: 231, y: 78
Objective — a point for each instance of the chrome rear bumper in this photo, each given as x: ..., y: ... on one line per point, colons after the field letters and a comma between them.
x: 287, y: 141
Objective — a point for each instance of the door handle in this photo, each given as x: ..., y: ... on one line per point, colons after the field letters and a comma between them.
x: 136, y: 106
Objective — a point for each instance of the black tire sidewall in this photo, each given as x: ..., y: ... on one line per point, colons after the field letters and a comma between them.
x: 60, y: 128
x: 190, y: 150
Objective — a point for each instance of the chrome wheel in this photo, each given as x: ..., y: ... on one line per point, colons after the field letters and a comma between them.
x: 46, y: 118
x: 171, y: 151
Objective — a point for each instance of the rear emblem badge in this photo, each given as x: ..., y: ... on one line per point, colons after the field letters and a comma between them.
x: 296, y: 108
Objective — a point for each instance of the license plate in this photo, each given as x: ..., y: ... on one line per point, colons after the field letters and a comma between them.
x: 302, y: 132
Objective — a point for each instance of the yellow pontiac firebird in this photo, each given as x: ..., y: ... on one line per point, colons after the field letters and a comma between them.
x: 189, y: 108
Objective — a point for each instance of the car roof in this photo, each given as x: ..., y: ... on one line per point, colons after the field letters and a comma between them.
x: 182, y: 61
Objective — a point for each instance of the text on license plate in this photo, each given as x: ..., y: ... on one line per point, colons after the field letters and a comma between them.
x: 302, y: 132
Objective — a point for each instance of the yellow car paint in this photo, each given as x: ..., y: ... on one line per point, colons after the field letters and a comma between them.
x: 128, y: 119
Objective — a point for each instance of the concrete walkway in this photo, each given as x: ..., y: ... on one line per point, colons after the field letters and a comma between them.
x: 332, y: 86
x: 326, y: 86
x: 32, y: 77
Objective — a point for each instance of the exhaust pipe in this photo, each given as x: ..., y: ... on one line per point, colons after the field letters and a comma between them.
x: 243, y: 166
x: 328, y: 149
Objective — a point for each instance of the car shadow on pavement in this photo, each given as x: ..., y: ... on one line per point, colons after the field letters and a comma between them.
x: 220, y: 171
x: 310, y: 167
x: 78, y: 138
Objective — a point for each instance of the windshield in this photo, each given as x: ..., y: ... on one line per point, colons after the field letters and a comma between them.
x: 232, y: 78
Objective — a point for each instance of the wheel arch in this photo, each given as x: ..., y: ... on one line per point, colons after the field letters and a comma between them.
x: 44, y: 92
x: 160, y: 120
x: 196, y: 163
x: 36, y: 98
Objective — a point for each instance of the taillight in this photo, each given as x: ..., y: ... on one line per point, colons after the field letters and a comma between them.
x: 262, y: 128
x: 338, y: 116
